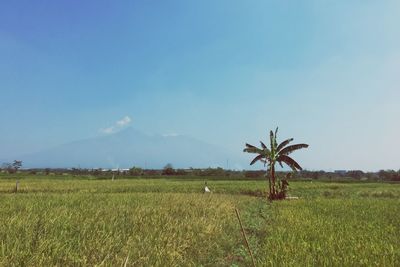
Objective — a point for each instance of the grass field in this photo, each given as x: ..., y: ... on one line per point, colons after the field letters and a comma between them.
x: 68, y: 221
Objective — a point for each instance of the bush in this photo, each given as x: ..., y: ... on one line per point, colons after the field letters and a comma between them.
x: 254, y: 174
x: 180, y: 172
x: 168, y: 170
x: 135, y: 171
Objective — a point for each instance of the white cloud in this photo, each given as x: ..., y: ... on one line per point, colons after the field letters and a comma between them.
x: 117, y: 126
x: 170, y: 135
x: 124, y: 121
x: 108, y: 130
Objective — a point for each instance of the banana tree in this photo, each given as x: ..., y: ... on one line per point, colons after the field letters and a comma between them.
x: 272, y: 155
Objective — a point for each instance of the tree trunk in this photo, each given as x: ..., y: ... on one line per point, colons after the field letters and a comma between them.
x: 269, y: 184
x: 272, y: 183
x: 269, y: 172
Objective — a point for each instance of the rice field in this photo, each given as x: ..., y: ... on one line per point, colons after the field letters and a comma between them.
x: 67, y: 221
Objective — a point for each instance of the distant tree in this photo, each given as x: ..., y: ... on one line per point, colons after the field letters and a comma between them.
x: 8, y: 167
x: 272, y: 155
x: 168, y: 170
x: 213, y: 172
x: 149, y: 172
x: 383, y: 175
x: 355, y: 174
x: 253, y: 174
x: 135, y: 171
x: 197, y: 172
x: 315, y: 175
x: 372, y: 175
x: 304, y: 174
x: 389, y: 175
x: 17, y: 164
x: 97, y: 171
x: 180, y: 172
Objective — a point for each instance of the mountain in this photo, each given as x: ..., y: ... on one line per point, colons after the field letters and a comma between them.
x: 131, y: 147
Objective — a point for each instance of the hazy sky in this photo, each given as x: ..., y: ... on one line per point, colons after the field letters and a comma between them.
x: 326, y: 72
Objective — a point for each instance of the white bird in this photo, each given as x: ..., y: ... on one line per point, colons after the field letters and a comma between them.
x: 206, y: 189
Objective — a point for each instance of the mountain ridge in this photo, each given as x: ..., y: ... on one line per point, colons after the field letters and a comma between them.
x: 131, y: 147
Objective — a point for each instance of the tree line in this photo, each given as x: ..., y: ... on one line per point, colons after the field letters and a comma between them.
x: 217, y: 173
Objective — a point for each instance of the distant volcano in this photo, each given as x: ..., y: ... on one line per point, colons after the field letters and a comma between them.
x: 131, y: 147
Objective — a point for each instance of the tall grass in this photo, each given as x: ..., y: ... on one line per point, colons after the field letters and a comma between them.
x: 88, y: 229
x: 70, y: 222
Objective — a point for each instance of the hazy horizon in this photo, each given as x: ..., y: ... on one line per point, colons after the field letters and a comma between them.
x: 325, y: 73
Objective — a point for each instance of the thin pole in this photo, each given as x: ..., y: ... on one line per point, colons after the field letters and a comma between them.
x: 245, y: 238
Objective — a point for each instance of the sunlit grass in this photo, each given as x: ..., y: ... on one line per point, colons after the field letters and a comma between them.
x: 160, y: 222
x: 334, y: 232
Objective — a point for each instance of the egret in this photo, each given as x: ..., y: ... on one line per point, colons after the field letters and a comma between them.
x: 206, y: 189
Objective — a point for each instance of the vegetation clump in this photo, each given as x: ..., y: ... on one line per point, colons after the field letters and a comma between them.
x: 168, y: 170
x: 272, y: 155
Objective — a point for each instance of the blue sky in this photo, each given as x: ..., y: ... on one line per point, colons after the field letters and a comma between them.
x: 325, y: 72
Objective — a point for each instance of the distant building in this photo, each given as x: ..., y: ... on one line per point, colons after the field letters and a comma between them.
x: 341, y: 172
x: 119, y: 170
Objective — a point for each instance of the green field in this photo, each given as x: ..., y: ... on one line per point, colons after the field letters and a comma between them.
x: 70, y: 221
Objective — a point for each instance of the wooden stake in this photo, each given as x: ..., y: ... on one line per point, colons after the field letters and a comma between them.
x: 245, y: 238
